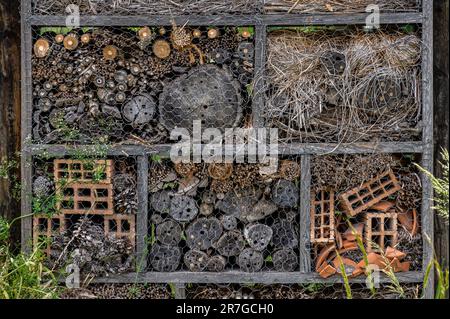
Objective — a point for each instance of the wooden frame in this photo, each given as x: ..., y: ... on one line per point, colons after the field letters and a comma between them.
x: 261, y: 22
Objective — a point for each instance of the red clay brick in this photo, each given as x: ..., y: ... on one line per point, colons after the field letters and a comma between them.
x: 370, y: 193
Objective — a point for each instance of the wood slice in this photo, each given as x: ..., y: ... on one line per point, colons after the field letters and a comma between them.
x: 250, y: 260
x: 196, y: 260
x: 285, y: 260
x: 285, y: 194
x: 284, y: 235
x: 183, y: 208
x: 230, y: 244
x: 258, y: 236
x: 202, y: 233
x: 165, y: 258
x: 168, y: 233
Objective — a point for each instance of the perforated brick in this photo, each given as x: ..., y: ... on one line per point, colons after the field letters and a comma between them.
x: 87, y: 171
x: 322, y: 217
x: 370, y: 193
x: 381, y: 229
x: 121, y: 226
x: 92, y: 199
x: 45, y: 227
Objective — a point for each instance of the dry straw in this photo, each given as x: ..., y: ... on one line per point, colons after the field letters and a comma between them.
x: 309, y: 6
x: 160, y: 7
x: 343, y: 86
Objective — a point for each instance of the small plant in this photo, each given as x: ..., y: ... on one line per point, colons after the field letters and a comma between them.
x: 348, y: 289
x: 441, y: 186
x: 7, y: 168
x: 23, y: 276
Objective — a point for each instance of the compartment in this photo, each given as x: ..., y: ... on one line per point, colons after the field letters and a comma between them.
x: 88, y: 222
x: 388, y: 226
x: 137, y: 84
x: 340, y: 84
x: 211, y: 217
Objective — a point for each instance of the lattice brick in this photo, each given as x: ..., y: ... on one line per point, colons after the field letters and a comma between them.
x: 45, y: 227
x: 87, y: 171
x: 92, y: 199
x: 381, y: 229
x: 322, y: 217
x: 361, y: 198
x: 121, y: 226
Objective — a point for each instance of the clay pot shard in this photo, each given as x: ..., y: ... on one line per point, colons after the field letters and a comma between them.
x: 409, y: 220
x: 373, y: 259
x: 392, y: 253
x: 352, y: 233
x: 327, y: 271
x: 323, y: 256
x: 383, y: 206
x: 349, y: 265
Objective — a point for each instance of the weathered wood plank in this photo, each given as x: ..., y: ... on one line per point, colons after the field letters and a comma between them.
x: 441, y: 115
x: 10, y: 107
x: 230, y: 20
x: 142, y: 214
x: 427, y: 138
x: 352, y: 148
x: 244, y: 277
x: 305, y: 220
x: 26, y: 123
x: 284, y: 149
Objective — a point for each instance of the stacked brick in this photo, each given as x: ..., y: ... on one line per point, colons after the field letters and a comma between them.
x: 377, y: 229
x: 83, y: 187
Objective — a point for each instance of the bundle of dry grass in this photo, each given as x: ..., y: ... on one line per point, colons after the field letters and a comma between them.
x: 309, y: 6
x: 343, y: 87
x: 137, y: 7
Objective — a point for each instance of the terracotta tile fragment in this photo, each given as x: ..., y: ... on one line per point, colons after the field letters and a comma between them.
x: 348, y: 264
x: 373, y: 259
x: 323, y: 255
x: 409, y: 221
x: 392, y: 253
x: 322, y: 229
x: 349, y: 233
x: 383, y: 206
x: 381, y: 229
x: 328, y: 271
x: 357, y: 272
x: 349, y: 245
